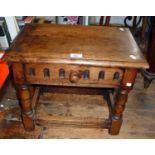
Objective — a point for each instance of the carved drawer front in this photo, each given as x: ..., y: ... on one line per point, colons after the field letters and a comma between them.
x: 76, y: 75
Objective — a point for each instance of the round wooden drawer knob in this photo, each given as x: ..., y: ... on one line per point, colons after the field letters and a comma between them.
x: 74, y: 76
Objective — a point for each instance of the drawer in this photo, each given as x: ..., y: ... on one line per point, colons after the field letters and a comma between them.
x: 72, y: 75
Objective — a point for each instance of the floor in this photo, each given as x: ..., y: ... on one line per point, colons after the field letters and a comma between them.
x: 138, y: 121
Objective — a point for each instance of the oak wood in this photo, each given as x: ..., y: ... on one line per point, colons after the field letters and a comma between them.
x: 35, y: 97
x: 110, y: 101
x: 138, y: 120
x: 121, y: 100
x: 18, y: 73
x: 27, y: 113
x: 41, y: 54
x: 55, y: 79
x: 73, y: 90
x: 108, y: 46
x: 76, y: 121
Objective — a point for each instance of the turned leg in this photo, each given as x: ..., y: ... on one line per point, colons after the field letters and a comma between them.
x: 121, y: 99
x: 116, y: 118
x: 26, y: 105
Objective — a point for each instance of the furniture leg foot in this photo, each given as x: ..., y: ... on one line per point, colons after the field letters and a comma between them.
x: 28, y: 121
x: 115, y: 125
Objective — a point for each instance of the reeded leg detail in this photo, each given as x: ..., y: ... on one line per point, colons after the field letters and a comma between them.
x: 26, y: 105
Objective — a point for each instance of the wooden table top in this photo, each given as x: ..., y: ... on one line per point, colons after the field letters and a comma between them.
x: 96, y: 45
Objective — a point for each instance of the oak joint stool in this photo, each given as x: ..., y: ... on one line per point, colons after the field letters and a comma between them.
x: 75, y: 56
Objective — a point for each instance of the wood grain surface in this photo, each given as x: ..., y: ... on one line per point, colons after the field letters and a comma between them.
x: 104, y: 46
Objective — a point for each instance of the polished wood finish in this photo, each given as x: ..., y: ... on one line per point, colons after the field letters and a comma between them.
x: 18, y: 73
x: 35, y: 97
x: 27, y: 113
x: 77, y: 56
x: 104, y: 46
x: 121, y: 99
x: 74, y: 75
